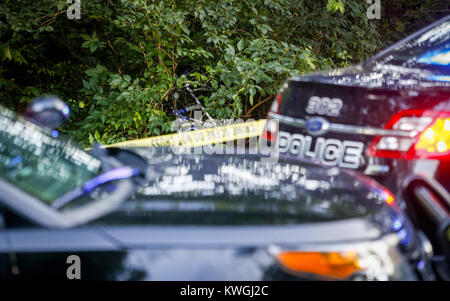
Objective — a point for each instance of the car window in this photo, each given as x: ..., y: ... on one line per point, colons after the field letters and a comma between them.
x: 430, y: 49
x: 34, y: 161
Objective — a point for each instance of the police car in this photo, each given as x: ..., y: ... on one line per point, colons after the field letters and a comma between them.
x: 388, y: 117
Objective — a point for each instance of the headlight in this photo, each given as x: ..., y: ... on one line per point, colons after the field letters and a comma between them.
x: 372, y: 260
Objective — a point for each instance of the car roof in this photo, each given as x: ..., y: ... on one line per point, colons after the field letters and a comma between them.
x: 406, y: 40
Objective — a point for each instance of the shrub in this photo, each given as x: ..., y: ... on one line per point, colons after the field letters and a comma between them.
x: 119, y: 66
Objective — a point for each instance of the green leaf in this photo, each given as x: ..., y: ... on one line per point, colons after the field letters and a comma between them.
x: 7, y: 53
x: 230, y: 50
x: 240, y: 45
x: 115, y: 80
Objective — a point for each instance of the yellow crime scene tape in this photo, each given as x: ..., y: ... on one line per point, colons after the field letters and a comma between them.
x: 199, y: 137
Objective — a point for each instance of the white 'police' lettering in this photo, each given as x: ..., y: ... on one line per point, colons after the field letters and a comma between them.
x: 329, y: 152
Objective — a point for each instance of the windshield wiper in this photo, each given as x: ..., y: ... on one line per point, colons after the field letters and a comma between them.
x: 109, y: 176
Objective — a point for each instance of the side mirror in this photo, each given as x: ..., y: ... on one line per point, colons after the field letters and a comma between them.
x: 47, y: 111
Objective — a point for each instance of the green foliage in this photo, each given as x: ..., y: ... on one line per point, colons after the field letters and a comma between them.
x: 119, y: 66
x: 336, y: 5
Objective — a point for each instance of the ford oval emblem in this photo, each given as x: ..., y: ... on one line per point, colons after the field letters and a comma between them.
x: 317, y: 126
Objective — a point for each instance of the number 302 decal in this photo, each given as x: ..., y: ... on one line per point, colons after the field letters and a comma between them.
x: 324, y: 106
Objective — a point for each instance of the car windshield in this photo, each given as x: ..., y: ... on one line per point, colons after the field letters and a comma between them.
x: 429, y: 49
x: 34, y: 161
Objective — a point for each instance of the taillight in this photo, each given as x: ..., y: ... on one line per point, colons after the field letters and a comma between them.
x: 276, y: 105
x: 270, y: 132
x: 435, y: 140
x: 429, y: 136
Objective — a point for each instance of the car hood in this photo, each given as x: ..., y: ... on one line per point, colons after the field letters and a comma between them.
x: 216, y: 190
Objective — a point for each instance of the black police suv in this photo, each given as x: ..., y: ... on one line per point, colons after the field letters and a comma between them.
x: 162, y: 214
x: 388, y: 117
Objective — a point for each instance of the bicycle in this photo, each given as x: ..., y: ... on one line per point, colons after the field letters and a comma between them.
x: 189, y: 123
